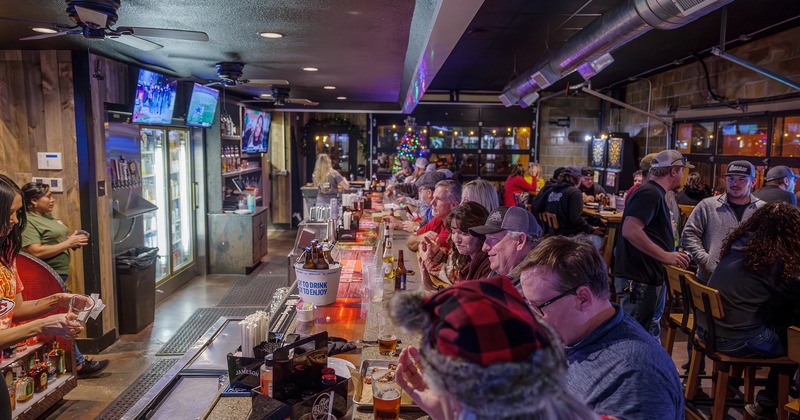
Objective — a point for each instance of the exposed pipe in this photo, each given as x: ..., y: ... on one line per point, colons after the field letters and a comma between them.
x: 625, y: 22
x: 758, y: 69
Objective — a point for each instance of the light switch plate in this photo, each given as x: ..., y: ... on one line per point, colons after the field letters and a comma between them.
x: 56, y: 184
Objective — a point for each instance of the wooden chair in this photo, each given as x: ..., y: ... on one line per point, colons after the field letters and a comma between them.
x: 684, y: 319
x: 551, y: 221
x: 793, y: 345
x: 706, y: 303
x: 685, y: 210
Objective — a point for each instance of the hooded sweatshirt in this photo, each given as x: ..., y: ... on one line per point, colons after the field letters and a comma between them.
x: 566, y: 202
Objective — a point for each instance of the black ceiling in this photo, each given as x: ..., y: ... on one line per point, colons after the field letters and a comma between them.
x: 361, y: 46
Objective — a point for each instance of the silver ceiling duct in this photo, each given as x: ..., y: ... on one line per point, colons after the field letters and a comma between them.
x: 628, y: 20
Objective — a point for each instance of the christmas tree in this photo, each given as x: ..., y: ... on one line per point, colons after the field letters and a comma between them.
x: 411, y: 147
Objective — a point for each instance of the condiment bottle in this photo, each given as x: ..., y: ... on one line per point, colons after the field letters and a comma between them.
x: 266, y: 376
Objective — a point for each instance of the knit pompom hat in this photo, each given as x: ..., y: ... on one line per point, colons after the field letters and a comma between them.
x: 482, y: 344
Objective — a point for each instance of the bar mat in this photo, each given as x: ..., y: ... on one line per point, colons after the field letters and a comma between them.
x: 137, y: 389
x: 252, y: 291
x: 272, y: 268
x: 197, y: 324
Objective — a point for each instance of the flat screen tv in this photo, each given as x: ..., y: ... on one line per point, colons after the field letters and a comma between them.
x: 255, y: 135
x: 202, y: 106
x: 155, y: 98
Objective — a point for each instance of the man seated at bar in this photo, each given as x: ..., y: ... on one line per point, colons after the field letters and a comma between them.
x: 615, y: 366
x: 422, y: 201
x: 647, y: 241
x: 592, y: 192
x: 564, y: 200
x: 483, y: 355
x: 446, y: 196
x: 509, y: 234
x: 715, y: 217
x: 778, y: 186
x: 760, y: 292
x: 464, y: 260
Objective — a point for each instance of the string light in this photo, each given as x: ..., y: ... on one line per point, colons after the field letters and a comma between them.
x: 410, y: 148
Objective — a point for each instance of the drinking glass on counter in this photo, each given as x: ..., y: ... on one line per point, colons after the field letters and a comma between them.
x: 386, y: 395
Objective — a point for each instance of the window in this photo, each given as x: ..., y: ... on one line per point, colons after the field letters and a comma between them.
x: 786, y: 137
x: 743, y: 137
x: 695, y: 138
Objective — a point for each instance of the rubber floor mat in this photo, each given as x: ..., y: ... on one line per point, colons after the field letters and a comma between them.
x: 137, y: 389
x: 252, y: 291
x: 197, y: 324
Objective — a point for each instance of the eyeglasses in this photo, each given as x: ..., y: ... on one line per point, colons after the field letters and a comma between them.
x: 537, y: 309
x: 735, y: 179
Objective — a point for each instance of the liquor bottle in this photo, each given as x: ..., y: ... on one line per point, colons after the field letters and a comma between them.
x: 326, y: 250
x: 39, y: 375
x: 266, y: 376
x: 309, y: 264
x: 12, y: 394
x: 23, y: 386
x: 400, y: 273
x: 52, y: 371
x: 57, y: 357
x: 388, y: 260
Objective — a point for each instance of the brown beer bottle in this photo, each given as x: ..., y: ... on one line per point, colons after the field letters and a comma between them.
x: 400, y: 273
x: 309, y: 264
x: 319, y: 260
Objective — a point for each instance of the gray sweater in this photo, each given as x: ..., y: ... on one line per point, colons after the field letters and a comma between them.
x: 707, y: 227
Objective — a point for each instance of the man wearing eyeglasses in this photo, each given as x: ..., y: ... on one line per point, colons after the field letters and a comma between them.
x: 714, y: 217
x: 615, y: 366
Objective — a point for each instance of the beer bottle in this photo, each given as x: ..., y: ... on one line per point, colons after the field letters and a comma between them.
x: 326, y: 252
x: 319, y: 262
x: 388, y: 260
x: 309, y: 264
x: 400, y: 273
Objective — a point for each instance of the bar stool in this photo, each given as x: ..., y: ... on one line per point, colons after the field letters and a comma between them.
x: 552, y: 222
x: 706, y: 303
x: 793, y: 345
x: 684, y: 320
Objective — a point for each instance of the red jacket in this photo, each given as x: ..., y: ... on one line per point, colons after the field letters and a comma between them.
x: 515, y: 184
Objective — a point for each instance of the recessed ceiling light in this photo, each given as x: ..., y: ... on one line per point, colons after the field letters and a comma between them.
x: 44, y: 30
x: 329, y: 87
x: 265, y: 95
x: 341, y: 98
x: 272, y: 35
x: 310, y: 69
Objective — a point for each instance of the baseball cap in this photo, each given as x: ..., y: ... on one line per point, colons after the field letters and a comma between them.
x: 779, y: 172
x: 644, y: 165
x: 515, y: 219
x: 421, y: 162
x: 431, y: 167
x: 587, y: 171
x: 447, y: 173
x: 429, y: 179
x: 741, y: 168
x: 669, y: 158
x: 572, y: 170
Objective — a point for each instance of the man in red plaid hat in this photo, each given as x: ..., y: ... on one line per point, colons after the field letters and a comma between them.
x: 483, y: 355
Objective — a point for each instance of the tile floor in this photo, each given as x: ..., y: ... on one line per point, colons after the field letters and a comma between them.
x: 132, y: 354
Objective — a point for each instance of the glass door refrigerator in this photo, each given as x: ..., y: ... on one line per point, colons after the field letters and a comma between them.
x: 166, y: 174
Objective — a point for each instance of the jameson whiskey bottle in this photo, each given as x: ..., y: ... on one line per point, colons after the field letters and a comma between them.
x: 400, y: 273
x: 39, y: 376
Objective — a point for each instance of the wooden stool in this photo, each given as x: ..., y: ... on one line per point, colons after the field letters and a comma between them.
x: 706, y: 303
x: 793, y: 344
x: 684, y: 320
x: 552, y: 222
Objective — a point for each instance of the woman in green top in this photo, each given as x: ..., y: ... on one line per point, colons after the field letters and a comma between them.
x: 48, y: 239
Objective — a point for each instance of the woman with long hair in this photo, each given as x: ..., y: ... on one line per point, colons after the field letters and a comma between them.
x: 515, y: 185
x: 47, y: 238
x: 534, y: 176
x: 465, y: 260
x: 327, y: 180
x: 482, y: 192
x: 13, y: 307
x: 694, y: 191
x: 758, y: 277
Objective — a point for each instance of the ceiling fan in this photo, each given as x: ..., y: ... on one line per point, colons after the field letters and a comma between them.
x: 94, y: 19
x: 230, y: 74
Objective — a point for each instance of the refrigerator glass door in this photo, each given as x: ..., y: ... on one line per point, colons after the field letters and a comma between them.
x: 181, y: 226
x: 154, y: 189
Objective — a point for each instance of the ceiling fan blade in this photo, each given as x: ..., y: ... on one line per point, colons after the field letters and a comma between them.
x: 166, y: 33
x: 301, y: 101
x: 268, y: 82
x: 43, y: 36
x: 255, y: 101
x: 92, y: 16
x: 29, y: 20
x: 136, y: 42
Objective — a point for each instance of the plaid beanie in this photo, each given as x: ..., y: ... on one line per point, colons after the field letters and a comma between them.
x: 481, y: 343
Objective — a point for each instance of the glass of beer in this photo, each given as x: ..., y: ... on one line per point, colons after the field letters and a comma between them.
x: 385, y: 395
x: 387, y: 343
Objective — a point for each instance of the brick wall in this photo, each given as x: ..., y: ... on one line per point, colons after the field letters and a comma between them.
x: 562, y: 146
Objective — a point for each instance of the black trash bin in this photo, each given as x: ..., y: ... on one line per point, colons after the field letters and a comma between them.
x: 136, y: 288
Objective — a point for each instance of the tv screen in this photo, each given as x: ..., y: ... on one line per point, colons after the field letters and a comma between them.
x: 256, y: 131
x: 202, y: 106
x: 155, y: 98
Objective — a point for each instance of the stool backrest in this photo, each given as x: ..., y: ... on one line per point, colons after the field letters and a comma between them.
x: 707, y: 304
x: 685, y: 210
x: 552, y: 221
x: 677, y: 289
x: 793, y: 343
x: 38, y: 279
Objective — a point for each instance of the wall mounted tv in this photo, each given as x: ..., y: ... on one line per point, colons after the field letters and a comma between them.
x: 155, y: 98
x: 202, y: 106
x: 255, y: 136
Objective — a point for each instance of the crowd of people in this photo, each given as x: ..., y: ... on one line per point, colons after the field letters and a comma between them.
x: 477, y: 258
